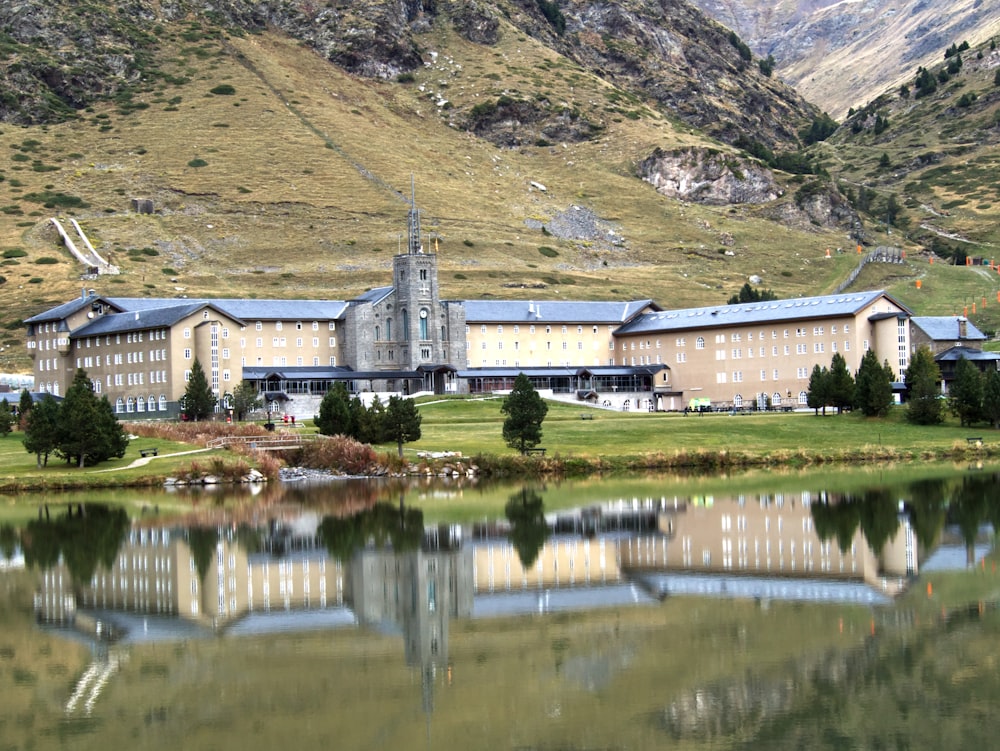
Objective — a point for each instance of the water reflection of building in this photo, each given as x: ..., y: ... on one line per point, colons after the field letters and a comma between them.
x: 771, y: 536
x: 618, y: 554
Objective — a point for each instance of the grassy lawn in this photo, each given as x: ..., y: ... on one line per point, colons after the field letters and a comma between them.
x: 475, y: 426
x: 19, y: 470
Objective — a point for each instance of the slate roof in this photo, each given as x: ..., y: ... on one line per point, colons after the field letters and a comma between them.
x: 249, y: 309
x: 66, y: 309
x: 553, y: 311
x: 969, y: 353
x: 802, y: 308
x: 945, y: 328
x: 138, y: 320
x: 570, y: 371
x: 373, y: 295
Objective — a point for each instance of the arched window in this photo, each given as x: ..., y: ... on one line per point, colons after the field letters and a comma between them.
x: 163, y: 402
x: 151, y: 403
x: 119, y: 405
x: 738, y: 401
x: 388, y: 329
x: 423, y: 325
x: 406, y: 325
x: 803, y: 398
x: 378, y: 333
x: 775, y: 399
x: 699, y: 343
x: 140, y: 405
x: 130, y: 405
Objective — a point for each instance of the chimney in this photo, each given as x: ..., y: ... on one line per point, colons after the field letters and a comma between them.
x: 963, y: 327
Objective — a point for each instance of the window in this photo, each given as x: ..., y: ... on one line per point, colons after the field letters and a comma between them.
x: 277, y: 326
x: 187, y: 333
x: 298, y: 325
x: 259, y: 326
x: 187, y: 354
x: 699, y: 343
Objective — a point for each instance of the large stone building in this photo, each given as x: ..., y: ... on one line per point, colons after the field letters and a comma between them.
x: 404, y: 338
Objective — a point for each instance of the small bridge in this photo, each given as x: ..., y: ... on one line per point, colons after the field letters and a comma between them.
x: 277, y: 442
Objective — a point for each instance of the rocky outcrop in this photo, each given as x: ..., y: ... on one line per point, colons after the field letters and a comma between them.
x: 817, y: 203
x: 710, y: 177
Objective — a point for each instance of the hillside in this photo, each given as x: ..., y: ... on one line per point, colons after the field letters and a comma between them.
x: 544, y: 166
x: 839, y: 55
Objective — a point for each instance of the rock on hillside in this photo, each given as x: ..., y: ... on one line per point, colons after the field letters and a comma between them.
x: 709, y: 177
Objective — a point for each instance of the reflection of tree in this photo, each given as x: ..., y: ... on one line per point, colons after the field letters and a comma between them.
x: 8, y: 541
x: 879, y: 518
x: 87, y: 538
x: 838, y: 518
x: 928, y: 502
x: 202, y: 541
x: 528, y: 528
x: 383, y: 525
x: 970, y: 507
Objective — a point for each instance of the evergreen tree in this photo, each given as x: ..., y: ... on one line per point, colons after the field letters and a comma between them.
x: 991, y: 398
x: 370, y: 422
x: 818, y: 395
x: 525, y: 412
x: 922, y: 378
x: 88, y: 431
x: 24, y: 408
x: 245, y: 399
x: 841, y: 384
x: 41, y: 429
x: 334, y: 416
x: 965, y: 394
x: 873, y: 386
x: 198, y: 401
x: 528, y: 527
x: 401, y: 422
x: 6, y: 418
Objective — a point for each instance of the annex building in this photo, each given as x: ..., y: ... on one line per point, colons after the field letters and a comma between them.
x: 405, y: 339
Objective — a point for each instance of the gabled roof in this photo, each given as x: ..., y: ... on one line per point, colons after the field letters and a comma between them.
x: 953, y: 354
x: 945, y: 328
x: 67, y: 309
x: 802, y: 308
x: 554, y: 311
x: 373, y: 295
x: 248, y: 309
x: 140, y: 320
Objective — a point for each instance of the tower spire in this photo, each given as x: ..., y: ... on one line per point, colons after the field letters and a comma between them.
x: 414, y: 245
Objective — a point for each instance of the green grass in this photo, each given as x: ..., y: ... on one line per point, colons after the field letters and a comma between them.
x: 19, y: 472
x: 475, y: 426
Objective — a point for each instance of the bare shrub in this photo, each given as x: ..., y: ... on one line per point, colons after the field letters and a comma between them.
x: 339, y: 453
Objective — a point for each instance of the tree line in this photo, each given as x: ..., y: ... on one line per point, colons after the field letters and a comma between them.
x: 397, y: 422
x: 973, y: 396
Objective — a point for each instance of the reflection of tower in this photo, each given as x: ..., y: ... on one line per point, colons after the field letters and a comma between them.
x: 418, y: 592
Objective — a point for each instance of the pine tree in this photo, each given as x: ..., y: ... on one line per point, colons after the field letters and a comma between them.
x: 370, y: 421
x: 245, y: 399
x: 965, y: 394
x: 88, y: 431
x: 24, y: 407
x: 818, y: 395
x: 41, y: 429
x: 841, y: 384
x: 334, y: 416
x: 922, y: 378
x: 6, y: 418
x: 525, y: 412
x: 401, y: 422
x: 873, y: 386
x: 991, y: 398
x: 198, y: 401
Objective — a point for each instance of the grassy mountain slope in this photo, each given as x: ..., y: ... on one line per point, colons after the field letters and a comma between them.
x: 275, y: 173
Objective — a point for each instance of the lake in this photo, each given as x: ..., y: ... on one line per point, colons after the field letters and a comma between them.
x: 849, y: 609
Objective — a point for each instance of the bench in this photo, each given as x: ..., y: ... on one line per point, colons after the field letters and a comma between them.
x: 975, y: 440
x: 534, y: 451
x: 586, y: 416
x: 148, y: 452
